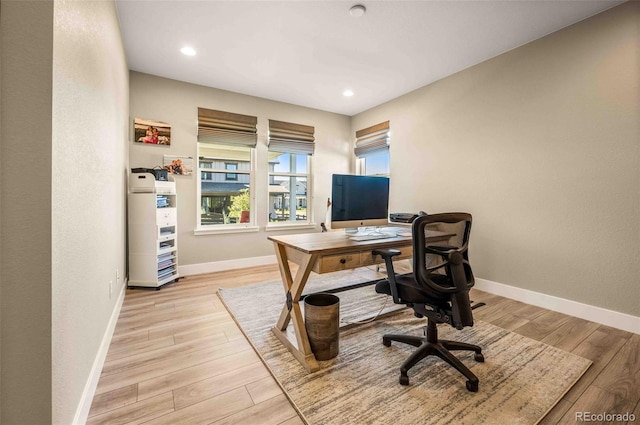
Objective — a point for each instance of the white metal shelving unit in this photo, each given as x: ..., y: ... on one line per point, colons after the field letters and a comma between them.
x: 153, y: 225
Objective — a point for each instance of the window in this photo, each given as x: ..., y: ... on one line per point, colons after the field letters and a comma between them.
x: 231, y: 166
x: 288, y: 187
x: 224, y: 200
x: 372, y: 150
x: 291, y: 148
x: 226, y: 141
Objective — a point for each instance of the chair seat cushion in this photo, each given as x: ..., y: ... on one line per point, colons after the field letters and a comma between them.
x: 410, y: 292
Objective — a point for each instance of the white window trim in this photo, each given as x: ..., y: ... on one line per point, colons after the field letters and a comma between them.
x: 360, y: 165
x: 230, y: 228
x: 277, y: 226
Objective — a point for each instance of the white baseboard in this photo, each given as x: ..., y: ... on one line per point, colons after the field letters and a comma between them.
x: 218, y: 266
x: 600, y: 315
x: 82, y: 412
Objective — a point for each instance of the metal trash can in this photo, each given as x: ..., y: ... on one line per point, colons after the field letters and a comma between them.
x: 322, y: 321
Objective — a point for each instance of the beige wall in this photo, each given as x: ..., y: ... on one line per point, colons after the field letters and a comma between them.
x: 64, y: 132
x: 542, y: 146
x: 177, y: 103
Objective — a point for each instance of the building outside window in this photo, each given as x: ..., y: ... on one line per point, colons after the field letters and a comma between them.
x: 289, y: 187
x: 231, y: 166
x: 225, y: 198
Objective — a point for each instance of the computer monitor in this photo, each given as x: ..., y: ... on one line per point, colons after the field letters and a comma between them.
x: 358, y: 201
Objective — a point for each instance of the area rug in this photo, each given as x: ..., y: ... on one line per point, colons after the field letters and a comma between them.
x: 520, y: 380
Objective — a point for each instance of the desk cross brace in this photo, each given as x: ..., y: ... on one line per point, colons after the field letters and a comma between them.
x: 291, y: 311
x: 347, y: 287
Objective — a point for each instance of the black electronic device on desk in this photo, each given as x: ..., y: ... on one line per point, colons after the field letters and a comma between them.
x: 402, y: 217
x: 158, y: 172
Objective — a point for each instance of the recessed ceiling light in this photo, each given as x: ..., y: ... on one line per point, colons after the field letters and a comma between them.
x: 189, y: 51
x: 347, y: 93
x: 357, y: 10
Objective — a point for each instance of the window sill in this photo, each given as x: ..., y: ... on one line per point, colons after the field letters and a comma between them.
x: 276, y: 227
x: 215, y: 230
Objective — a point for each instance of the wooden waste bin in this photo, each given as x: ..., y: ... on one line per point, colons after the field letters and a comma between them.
x: 322, y: 321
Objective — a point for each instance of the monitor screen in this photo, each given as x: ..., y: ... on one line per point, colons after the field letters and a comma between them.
x: 359, y: 201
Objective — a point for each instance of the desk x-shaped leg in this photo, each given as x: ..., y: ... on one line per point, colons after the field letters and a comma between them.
x: 291, y: 310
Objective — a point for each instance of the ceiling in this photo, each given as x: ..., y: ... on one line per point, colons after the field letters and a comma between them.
x: 308, y: 52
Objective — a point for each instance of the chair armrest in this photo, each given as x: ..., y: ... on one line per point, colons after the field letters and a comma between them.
x: 387, y: 254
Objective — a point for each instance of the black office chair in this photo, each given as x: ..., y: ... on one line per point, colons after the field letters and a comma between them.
x: 438, y: 288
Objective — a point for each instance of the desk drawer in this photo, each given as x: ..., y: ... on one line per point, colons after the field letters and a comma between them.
x: 337, y: 262
x: 367, y: 258
x: 333, y: 263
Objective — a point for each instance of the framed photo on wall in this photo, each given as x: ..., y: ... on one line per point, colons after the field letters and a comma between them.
x: 151, y: 132
x: 182, y: 165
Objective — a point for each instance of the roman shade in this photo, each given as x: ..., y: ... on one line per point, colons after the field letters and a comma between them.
x: 372, y: 139
x: 226, y: 128
x: 287, y: 137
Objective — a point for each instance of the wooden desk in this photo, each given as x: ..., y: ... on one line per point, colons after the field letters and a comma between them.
x: 323, y: 253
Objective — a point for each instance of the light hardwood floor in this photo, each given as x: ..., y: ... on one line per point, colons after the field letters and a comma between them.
x: 177, y: 357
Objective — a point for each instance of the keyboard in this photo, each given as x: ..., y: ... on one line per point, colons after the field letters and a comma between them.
x: 371, y: 237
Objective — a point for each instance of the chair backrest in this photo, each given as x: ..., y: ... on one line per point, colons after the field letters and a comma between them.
x: 442, y: 269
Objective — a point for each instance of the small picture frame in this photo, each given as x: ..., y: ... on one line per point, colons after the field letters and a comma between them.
x: 180, y: 165
x: 151, y: 132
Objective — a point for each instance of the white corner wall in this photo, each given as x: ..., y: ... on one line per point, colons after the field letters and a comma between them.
x: 88, y: 188
x: 541, y: 145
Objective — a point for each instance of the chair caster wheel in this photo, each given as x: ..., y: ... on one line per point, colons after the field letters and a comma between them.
x: 386, y: 342
x: 404, y: 380
x: 472, y: 386
x: 479, y: 357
